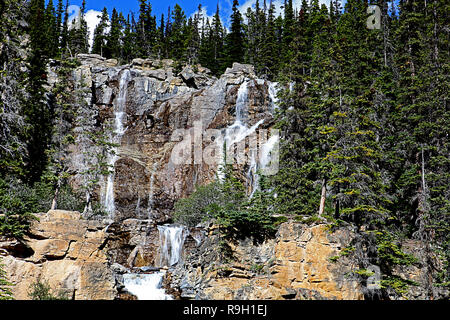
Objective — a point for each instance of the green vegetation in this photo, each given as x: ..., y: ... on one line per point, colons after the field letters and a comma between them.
x: 364, y: 115
x: 40, y: 290
x: 5, y: 291
x: 18, y: 202
x: 225, y: 203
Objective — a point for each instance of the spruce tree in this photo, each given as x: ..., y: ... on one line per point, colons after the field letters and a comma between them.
x: 78, y: 34
x: 128, y: 48
x: 234, y: 41
x: 38, y: 113
x: 100, y: 34
x: 51, y: 27
x: 178, y: 35
x: 113, y: 44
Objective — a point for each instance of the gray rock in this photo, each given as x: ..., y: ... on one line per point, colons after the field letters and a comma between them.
x: 239, y: 68
x: 90, y: 59
x: 159, y: 74
x: 118, y: 268
x: 187, y: 74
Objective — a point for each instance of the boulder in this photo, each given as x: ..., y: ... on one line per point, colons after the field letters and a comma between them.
x: 239, y: 68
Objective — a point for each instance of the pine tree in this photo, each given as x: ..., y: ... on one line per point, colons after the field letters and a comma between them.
x: 64, y: 36
x: 37, y: 112
x: 100, y: 33
x: 178, y: 35
x: 128, y: 48
x: 146, y: 29
x: 193, y: 37
x: 234, y: 41
x: 288, y: 32
x: 59, y: 24
x: 78, y: 34
x: 51, y: 30
x: 113, y: 44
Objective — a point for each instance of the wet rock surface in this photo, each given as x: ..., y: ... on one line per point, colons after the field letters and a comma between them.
x: 158, y: 104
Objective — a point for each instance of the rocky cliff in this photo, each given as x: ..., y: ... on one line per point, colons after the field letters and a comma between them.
x: 135, y: 115
x: 88, y: 260
x: 144, y: 135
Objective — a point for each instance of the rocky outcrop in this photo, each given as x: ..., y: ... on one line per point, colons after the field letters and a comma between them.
x: 86, y: 260
x: 63, y: 250
x: 294, y: 265
x: 161, y: 109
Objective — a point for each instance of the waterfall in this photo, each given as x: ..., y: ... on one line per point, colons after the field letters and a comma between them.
x: 273, y: 91
x: 119, y: 130
x: 171, y: 241
x: 252, y: 176
x: 151, y: 191
x: 146, y: 286
x: 238, y: 131
x: 241, y: 101
x: 149, y: 286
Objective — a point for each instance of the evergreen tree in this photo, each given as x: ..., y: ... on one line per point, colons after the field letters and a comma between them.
x: 269, y: 47
x: 234, y: 41
x: 128, y: 48
x: 59, y: 24
x: 51, y: 30
x: 64, y: 36
x: 38, y: 113
x: 113, y: 43
x: 78, y: 34
x: 100, y: 34
x: 178, y: 35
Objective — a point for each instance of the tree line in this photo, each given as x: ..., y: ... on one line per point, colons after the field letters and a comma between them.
x: 258, y: 36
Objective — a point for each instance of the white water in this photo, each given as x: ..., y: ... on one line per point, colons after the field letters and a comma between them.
x: 119, y: 130
x: 171, y: 241
x: 146, y: 286
x: 273, y: 91
x: 238, y: 131
x: 151, y: 191
x: 149, y: 286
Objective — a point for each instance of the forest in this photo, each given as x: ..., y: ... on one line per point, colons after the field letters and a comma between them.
x: 364, y: 113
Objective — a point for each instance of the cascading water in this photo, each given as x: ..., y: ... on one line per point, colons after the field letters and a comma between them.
x: 238, y: 130
x: 151, y: 191
x: 119, y: 130
x: 171, y: 241
x: 149, y: 286
x: 146, y: 286
x: 265, y: 150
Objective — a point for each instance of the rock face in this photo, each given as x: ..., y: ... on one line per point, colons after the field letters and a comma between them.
x: 134, y: 120
x: 65, y: 251
x: 86, y: 260
x: 294, y: 265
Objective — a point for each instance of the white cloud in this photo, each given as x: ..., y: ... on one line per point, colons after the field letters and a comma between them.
x: 277, y: 3
x: 92, y: 18
x: 203, y: 15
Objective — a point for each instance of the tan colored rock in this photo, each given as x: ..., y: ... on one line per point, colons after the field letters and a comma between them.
x: 294, y: 265
x: 66, y: 253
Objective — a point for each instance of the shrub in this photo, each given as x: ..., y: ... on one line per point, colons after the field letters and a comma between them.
x: 41, y: 291
x: 194, y: 209
x: 5, y: 292
x: 226, y: 203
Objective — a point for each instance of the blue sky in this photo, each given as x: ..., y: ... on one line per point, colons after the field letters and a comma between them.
x: 160, y: 7
x: 189, y: 7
